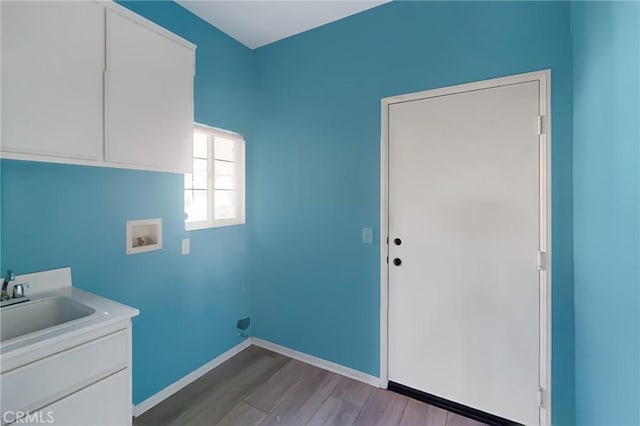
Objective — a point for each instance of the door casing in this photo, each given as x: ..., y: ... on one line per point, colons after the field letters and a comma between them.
x: 544, y: 79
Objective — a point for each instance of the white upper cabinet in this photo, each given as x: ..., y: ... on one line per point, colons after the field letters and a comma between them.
x: 94, y: 83
x: 149, y: 96
x: 52, y: 65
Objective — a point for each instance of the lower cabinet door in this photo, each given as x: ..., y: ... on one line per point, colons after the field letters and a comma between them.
x: 105, y: 403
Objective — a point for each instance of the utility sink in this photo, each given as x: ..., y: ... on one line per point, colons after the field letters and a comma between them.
x: 39, y: 315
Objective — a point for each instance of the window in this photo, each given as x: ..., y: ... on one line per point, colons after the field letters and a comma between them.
x: 214, y: 192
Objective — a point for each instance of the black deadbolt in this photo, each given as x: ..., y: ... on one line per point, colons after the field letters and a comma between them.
x: 397, y: 261
x: 397, y: 241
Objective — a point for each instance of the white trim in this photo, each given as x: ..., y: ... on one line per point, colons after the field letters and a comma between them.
x: 131, y: 224
x: 141, y: 20
x: 544, y: 78
x: 384, y: 246
x: 318, y: 362
x: 545, y: 245
x: 6, y: 155
x: 238, y: 140
x: 217, y: 132
x: 165, y: 393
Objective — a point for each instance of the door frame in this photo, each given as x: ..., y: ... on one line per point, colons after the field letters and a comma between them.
x: 544, y: 79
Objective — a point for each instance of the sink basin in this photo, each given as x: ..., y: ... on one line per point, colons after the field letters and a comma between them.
x: 38, y: 315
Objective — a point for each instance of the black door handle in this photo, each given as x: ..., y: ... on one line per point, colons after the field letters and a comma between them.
x: 397, y: 241
x: 397, y: 261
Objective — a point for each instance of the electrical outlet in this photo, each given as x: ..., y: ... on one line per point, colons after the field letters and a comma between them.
x: 186, y: 246
x: 367, y: 235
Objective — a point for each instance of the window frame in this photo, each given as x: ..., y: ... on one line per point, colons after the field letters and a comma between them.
x: 239, y: 162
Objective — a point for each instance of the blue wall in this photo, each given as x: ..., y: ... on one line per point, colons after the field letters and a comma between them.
x: 309, y: 107
x: 64, y: 215
x: 606, y: 119
x: 314, y: 164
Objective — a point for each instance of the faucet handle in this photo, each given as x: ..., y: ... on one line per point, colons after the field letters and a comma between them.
x: 18, y: 290
x: 11, y: 276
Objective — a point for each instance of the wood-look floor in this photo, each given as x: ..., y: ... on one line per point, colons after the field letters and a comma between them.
x: 260, y: 387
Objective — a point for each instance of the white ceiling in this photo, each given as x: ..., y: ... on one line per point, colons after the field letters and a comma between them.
x: 255, y: 23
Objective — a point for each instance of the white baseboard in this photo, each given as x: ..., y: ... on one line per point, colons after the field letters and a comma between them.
x: 319, y: 362
x: 165, y: 393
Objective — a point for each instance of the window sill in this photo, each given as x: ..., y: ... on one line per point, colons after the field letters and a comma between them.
x: 216, y: 224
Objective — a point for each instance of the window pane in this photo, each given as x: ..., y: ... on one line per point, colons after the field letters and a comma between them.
x: 188, y: 201
x: 225, y: 175
x: 225, y: 204
x: 200, y: 145
x: 224, y: 149
x: 199, y: 174
x: 195, y: 205
x: 188, y: 180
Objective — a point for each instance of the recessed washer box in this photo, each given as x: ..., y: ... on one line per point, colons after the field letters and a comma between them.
x: 144, y: 235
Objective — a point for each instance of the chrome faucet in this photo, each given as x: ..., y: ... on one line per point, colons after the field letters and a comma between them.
x: 11, y: 276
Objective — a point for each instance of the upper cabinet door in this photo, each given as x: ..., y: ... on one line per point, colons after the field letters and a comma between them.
x: 149, y: 96
x: 52, y: 78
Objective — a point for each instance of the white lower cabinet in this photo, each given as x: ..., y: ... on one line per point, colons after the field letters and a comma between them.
x: 79, y: 381
x: 100, y: 404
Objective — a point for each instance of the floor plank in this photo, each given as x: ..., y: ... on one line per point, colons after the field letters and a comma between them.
x: 418, y: 413
x: 383, y: 408
x: 352, y: 391
x: 335, y: 412
x: 243, y: 414
x: 271, y: 393
x: 302, y: 401
x: 219, y: 400
x: 458, y: 420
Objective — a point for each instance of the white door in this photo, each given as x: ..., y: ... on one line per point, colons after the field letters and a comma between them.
x: 464, y: 194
